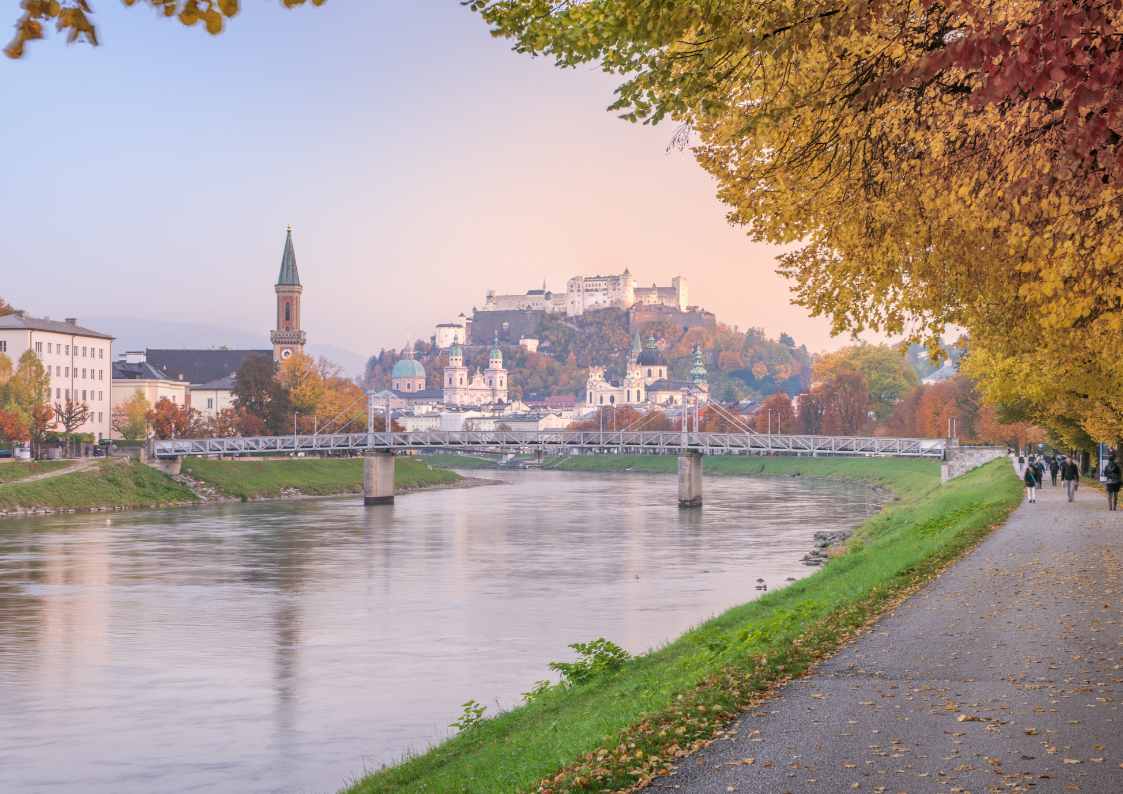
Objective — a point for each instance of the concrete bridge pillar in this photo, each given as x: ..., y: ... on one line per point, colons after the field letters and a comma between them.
x: 378, y: 478
x: 170, y: 466
x: 690, y: 479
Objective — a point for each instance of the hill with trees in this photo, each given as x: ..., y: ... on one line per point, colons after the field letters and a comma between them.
x: 741, y: 365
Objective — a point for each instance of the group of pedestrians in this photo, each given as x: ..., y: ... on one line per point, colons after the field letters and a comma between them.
x: 1065, y: 467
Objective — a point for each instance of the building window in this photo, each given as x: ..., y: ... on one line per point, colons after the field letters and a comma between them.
x: 83, y: 372
x: 68, y: 350
x: 58, y: 370
x: 39, y: 347
x: 58, y: 393
x: 3, y: 346
x: 210, y: 403
x: 68, y: 372
x: 99, y: 419
x: 83, y: 395
x: 101, y: 352
x: 84, y: 352
x: 50, y: 347
x: 100, y: 396
x: 288, y: 313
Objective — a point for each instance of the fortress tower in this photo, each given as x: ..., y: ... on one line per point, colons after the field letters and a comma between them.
x: 287, y: 337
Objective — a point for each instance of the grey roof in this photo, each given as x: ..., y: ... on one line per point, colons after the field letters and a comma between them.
x: 672, y: 385
x: 424, y: 394
x: 201, y: 366
x: 20, y: 320
x: 219, y: 384
x: 123, y: 370
x: 289, y: 276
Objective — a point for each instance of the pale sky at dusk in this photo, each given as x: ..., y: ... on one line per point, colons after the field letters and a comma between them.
x: 419, y: 161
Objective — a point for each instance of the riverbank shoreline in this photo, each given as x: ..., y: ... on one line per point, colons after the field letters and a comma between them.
x: 619, y: 730
x: 192, y: 492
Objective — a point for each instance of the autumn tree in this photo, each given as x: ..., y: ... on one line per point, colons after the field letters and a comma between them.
x: 846, y: 404
x: 130, y: 418
x: 171, y: 420
x: 74, y: 17
x: 885, y: 369
x: 811, y: 408
x: 258, y: 393
x: 14, y: 428
x: 775, y: 415
x: 71, y: 414
x: 928, y: 163
x: 40, y: 419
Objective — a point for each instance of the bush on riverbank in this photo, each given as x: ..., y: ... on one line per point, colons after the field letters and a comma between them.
x: 622, y: 729
x: 106, y: 484
x: 263, y: 479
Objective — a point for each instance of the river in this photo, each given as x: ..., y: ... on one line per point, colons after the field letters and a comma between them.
x: 288, y: 646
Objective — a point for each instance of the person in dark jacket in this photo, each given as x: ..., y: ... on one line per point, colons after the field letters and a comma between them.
x: 1054, y: 468
x: 1070, y: 476
x: 1030, y: 479
x: 1113, y: 478
x: 1039, y: 467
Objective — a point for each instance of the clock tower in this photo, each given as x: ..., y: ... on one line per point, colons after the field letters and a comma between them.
x: 288, y: 338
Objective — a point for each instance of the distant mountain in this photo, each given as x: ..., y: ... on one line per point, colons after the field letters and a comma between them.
x: 135, y: 333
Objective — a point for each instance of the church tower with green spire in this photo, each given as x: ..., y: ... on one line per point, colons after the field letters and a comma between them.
x: 287, y: 337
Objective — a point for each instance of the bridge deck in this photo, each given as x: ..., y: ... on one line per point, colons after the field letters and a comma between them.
x: 641, y: 442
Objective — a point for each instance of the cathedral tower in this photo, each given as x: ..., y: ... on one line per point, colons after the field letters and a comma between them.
x: 288, y: 338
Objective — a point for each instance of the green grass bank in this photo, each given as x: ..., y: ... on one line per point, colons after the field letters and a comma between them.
x: 10, y: 471
x: 444, y: 460
x: 266, y: 479
x: 105, y: 485
x: 623, y: 728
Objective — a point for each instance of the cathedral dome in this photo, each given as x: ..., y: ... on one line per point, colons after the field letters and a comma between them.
x: 651, y: 357
x: 408, y: 368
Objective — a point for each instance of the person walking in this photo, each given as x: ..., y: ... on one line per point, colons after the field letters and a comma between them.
x: 1039, y: 467
x: 1113, y: 478
x: 1070, y: 476
x: 1030, y: 479
x: 1054, y: 468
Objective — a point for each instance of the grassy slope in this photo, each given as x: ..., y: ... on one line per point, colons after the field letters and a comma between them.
x: 18, y: 470
x: 257, y: 479
x: 682, y: 694
x: 107, y: 484
x: 905, y: 476
x: 449, y: 461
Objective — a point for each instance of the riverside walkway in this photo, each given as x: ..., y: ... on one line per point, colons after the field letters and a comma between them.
x: 1004, y: 674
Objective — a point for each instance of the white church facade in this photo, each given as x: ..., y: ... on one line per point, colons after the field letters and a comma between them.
x: 482, y: 387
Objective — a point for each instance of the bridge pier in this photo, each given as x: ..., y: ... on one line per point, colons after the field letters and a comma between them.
x: 690, y: 479
x: 378, y: 478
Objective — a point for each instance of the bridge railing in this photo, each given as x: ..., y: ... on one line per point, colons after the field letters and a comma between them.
x: 638, y: 441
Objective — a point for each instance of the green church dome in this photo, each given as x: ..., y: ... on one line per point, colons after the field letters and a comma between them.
x: 408, y: 368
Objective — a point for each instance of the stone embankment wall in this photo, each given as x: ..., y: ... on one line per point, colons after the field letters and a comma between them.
x: 960, y: 460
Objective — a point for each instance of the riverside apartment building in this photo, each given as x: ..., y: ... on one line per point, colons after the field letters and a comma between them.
x: 79, y: 360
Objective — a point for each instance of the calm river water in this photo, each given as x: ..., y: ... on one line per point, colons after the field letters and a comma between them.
x: 286, y: 647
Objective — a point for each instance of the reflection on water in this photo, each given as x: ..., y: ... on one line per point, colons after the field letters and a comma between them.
x: 287, y: 646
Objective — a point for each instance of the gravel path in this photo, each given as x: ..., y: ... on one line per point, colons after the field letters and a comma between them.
x: 1004, y: 674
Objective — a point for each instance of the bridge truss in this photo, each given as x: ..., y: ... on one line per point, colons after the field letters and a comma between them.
x: 555, y: 442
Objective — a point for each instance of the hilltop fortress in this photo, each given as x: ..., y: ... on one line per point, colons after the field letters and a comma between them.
x: 587, y: 293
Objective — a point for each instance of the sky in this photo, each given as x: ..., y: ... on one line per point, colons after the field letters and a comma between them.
x: 419, y: 160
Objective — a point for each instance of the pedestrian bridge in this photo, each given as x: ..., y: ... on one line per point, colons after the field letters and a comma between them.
x: 379, y: 448
x: 556, y: 441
